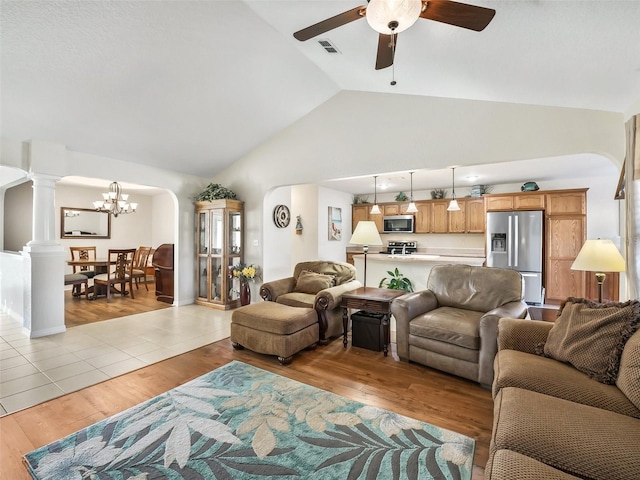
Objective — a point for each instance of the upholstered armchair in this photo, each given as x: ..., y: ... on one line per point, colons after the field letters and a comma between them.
x: 453, y: 324
x: 319, y: 285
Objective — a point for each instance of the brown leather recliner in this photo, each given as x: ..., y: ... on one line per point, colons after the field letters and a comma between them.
x: 319, y: 285
x: 453, y: 325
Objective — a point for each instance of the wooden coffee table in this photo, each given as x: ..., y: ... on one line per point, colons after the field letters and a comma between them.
x: 369, y: 299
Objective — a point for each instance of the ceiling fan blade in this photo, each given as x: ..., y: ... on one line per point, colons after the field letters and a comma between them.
x: 386, y: 51
x: 458, y: 14
x: 330, y: 23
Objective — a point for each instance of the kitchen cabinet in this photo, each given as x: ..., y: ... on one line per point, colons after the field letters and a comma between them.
x: 528, y: 201
x: 475, y: 215
x: 566, y: 222
x: 359, y: 213
x: 568, y: 202
x: 219, y: 246
x: 392, y: 209
x: 423, y: 217
x: 439, y: 217
x: 515, y: 201
x: 456, y: 220
x: 499, y: 202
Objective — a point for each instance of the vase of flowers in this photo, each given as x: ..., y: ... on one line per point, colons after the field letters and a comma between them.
x: 246, y: 274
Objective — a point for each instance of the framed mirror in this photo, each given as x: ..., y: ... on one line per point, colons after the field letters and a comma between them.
x: 84, y: 223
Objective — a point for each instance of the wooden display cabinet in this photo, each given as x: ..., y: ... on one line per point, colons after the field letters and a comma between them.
x: 219, y: 247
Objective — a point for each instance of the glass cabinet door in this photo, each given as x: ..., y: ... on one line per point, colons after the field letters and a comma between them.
x: 235, y: 233
x: 203, y: 233
x: 217, y: 232
x: 202, y: 236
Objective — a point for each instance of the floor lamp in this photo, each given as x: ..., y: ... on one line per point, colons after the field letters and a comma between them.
x: 365, y: 234
x: 599, y: 256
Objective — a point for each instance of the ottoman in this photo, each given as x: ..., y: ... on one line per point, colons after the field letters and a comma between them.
x: 274, y: 329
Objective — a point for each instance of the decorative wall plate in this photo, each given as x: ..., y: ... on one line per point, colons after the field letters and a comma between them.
x: 281, y: 216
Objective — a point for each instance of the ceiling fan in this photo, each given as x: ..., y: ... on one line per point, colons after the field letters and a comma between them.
x: 390, y: 17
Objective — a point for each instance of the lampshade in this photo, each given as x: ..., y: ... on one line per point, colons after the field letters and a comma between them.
x: 386, y: 16
x: 366, y: 233
x: 453, y: 206
x: 600, y: 255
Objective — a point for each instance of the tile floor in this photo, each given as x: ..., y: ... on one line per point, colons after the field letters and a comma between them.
x: 35, y: 370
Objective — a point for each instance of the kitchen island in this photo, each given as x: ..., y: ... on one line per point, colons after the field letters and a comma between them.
x: 415, y: 266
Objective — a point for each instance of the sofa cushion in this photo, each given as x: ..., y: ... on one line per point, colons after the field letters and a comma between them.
x: 343, y: 272
x: 591, y: 336
x: 312, y: 282
x: 474, y: 288
x: 584, y: 441
x: 509, y: 465
x: 450, y: 325
x: 629, y: 376
x: 544, y: 375
x: 296, y: 299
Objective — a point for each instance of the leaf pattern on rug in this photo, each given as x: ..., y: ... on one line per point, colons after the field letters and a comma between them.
x: 240, y: 422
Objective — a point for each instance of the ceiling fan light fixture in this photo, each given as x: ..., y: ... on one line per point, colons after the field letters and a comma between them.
x: 386, y: 16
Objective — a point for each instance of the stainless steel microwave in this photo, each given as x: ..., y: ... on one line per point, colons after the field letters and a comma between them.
x: 398, y: 224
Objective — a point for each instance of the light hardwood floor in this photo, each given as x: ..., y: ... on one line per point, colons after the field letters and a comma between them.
x: 355, y: 373
x: 80, y: 311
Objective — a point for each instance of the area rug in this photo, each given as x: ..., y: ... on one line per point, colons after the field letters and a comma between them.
x: 241, y: 422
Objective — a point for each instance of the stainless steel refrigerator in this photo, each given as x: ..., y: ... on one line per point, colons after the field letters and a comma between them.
x: 514, y: 240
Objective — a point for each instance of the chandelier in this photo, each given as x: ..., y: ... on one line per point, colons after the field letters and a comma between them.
x: 115, y: 202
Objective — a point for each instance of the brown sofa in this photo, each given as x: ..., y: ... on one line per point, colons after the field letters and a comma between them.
x: 554, y: 422
x: 453, y: 325
x: 322, y: 291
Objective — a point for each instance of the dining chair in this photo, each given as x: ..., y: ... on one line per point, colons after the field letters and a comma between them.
x: 140, y: 265
x: 77, y: 280
x: 119, y: 271
x: 83, y: 253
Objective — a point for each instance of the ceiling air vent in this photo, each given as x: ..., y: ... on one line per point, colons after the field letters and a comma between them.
x: 328, y: 46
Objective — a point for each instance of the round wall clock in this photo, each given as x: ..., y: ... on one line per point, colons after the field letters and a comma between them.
x: 281, y: 216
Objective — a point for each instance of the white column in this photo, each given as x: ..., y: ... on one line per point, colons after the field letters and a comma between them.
x: 44, y: 271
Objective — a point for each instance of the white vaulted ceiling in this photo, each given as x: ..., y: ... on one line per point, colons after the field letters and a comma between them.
x: 192, y: 86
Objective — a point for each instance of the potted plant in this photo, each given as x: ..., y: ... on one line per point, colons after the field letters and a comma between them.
x: 215, y: 191
x: 396, y: 281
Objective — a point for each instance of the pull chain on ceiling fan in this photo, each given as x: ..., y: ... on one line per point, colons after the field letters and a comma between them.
x: 390, y: 17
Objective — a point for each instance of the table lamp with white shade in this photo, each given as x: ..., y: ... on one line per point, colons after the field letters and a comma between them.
x: 599, y: 256
x: 366, y: 234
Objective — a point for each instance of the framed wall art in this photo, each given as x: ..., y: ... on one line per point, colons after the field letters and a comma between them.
x: 335, y: 223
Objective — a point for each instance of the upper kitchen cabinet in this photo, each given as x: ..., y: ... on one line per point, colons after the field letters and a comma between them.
x: 439, y: 217
x: 567, y: 202
x: 423, y: 217
x: 359, y: 213
x: 475, y: 215
x: 515, y: 201
x: 456, y: 219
